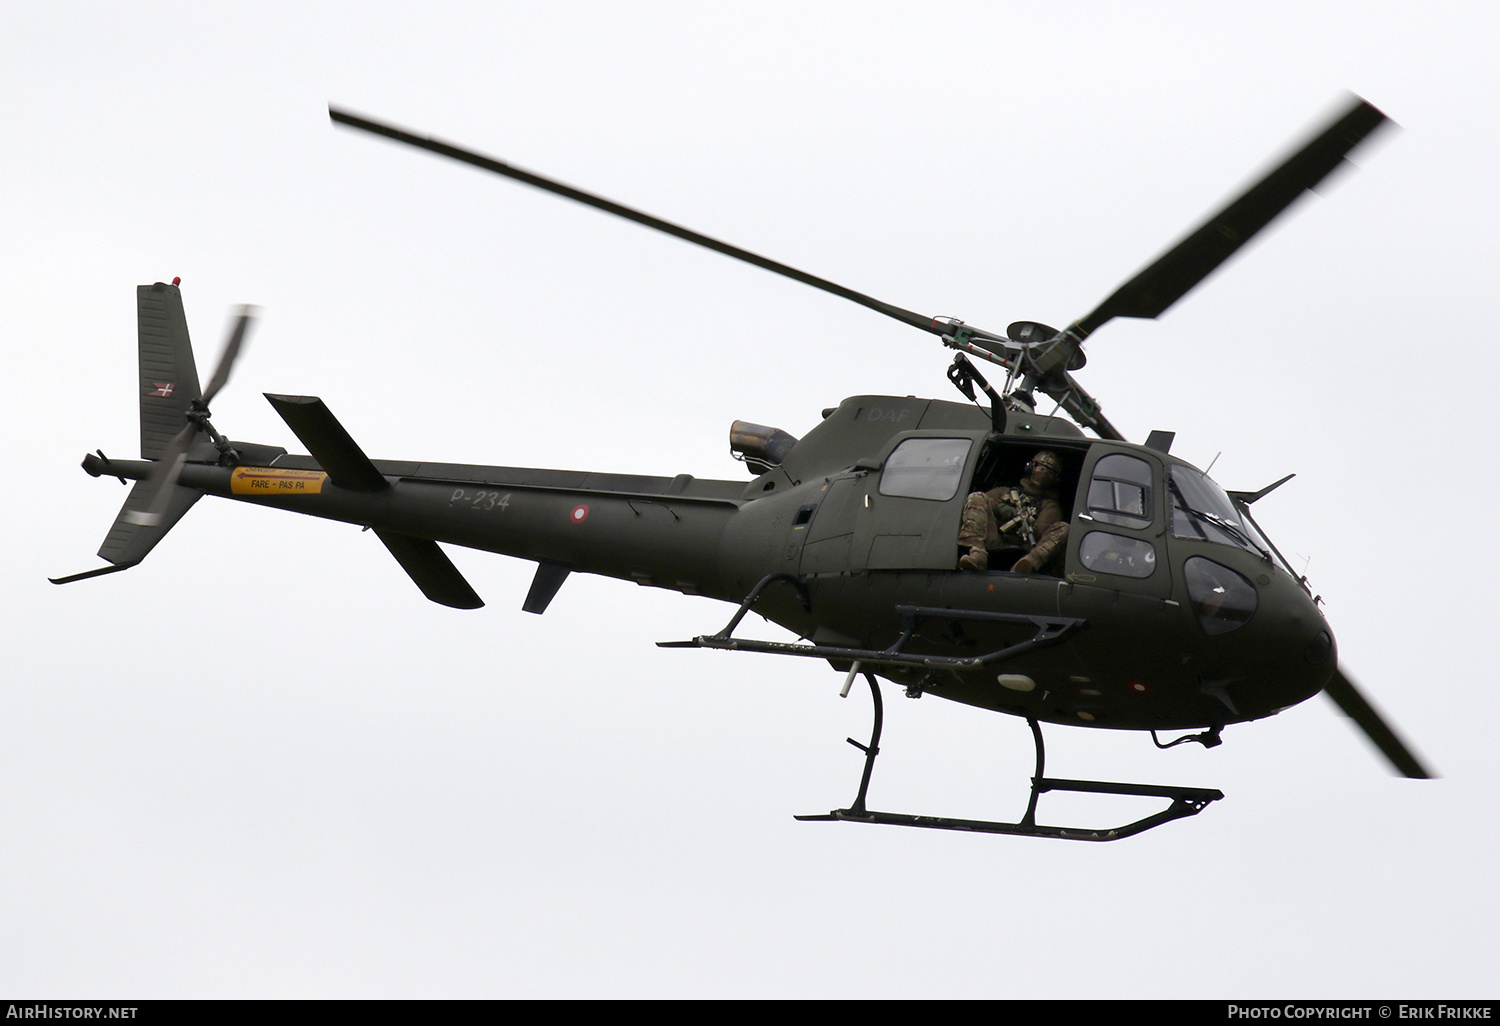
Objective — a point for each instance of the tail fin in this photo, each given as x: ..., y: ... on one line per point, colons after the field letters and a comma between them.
x: 168, y: 374
x: 168, y: 387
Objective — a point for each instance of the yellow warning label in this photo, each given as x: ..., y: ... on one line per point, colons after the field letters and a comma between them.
x: 275, y: 481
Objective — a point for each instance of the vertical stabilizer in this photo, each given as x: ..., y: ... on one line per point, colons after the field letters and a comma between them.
x: 144, y: 520
x: 173, y: 414
x: 137, y: 528
x: 169, y: 377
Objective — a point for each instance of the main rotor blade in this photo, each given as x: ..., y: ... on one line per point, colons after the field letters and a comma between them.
x: 916, y: 320
x: 1342, y: 690
x: 231, y: 353
x: 1176, y: 271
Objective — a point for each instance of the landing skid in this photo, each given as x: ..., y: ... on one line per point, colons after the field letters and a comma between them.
x: 1186, y: 801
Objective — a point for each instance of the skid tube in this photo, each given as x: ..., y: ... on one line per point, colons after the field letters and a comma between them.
x: 1186, y: 801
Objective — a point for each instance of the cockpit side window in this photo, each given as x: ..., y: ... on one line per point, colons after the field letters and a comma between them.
x: 925, y: 468
x: 1120, y: 491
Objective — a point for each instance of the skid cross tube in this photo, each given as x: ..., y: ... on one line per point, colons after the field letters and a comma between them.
x: 1186, y: 801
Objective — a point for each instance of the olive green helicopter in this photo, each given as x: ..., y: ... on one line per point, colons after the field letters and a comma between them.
x: 1161, y: 607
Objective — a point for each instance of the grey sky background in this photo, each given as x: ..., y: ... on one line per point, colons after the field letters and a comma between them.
x: 261, y: 764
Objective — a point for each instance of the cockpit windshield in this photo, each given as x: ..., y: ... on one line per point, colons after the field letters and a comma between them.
x: 1202, y: 510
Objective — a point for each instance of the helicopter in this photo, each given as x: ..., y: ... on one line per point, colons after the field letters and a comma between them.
x: 1165, y: 607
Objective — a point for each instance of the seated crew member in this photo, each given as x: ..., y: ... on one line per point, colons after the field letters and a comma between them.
x: 1026, y: 516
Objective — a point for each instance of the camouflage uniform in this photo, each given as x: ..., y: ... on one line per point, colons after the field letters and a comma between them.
x: 1014, y: 517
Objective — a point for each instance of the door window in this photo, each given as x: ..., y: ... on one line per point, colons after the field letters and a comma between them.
x: 925, y: 468
x: 1120, y: 491
x: 1116, y: 554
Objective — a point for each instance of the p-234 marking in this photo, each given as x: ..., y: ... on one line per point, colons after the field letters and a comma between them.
x: 480, y: 499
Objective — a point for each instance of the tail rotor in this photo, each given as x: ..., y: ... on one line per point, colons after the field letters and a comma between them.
x: 173, y: 414
x: 169, y: 468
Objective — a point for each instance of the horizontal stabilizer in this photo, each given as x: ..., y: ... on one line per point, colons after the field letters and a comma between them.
x: 328, y: 443
x: 431, y: 568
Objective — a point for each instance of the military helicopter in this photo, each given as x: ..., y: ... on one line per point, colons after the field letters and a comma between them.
x: 1168, y: 609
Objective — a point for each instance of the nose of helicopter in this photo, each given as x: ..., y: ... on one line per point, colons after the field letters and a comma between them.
x: 1268, y: 640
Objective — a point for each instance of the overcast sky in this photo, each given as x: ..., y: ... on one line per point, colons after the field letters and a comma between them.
x: 261, y: 764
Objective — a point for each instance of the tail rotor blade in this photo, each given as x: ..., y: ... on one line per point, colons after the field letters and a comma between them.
x: 163, y: 477
x: 1347, y: 697
x: 231, y: 352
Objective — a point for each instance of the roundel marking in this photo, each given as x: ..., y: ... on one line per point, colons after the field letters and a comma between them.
x: 579, y: 514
